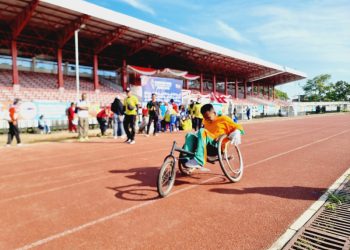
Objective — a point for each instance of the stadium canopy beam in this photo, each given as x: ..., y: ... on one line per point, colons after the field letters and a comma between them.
x: 69, y: 30
x: 95, y: 72
x: 245, y: 88
x: 168, y: 50
x: 59, y: 69
x: 201, y: 83
x: 107, y: 40
x: 23, y: 18
x: 214, y: 83
x: 63, y: 38
x: 236, y: 88
x: 15, y: 80
x: 16, y: 27
x: 140, y: 44
x: 123, y: 75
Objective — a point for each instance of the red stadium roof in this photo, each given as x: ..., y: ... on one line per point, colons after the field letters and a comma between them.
x: 40, y: 27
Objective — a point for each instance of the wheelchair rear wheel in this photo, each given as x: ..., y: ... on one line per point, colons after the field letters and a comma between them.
x: 166, y: 177
x: 230, y: 158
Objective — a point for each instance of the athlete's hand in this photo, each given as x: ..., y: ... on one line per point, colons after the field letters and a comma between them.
x: 235, y: 137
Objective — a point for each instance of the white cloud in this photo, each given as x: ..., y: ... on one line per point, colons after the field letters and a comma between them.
x: 230, y: 32
x: 140, y: 6
x: 314, y: 32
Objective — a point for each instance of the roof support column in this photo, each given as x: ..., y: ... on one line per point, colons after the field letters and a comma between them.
x: 96, y: 83
x: 252, y: 89
x: 124, y: 75
x: 185, y: 84
x: 226, y: 90
x: 201, y: 83
x: 245, y: 89
x: 236, y: 89
x: 59, y: 70
x: 214, y: 83
x: 258, y: 90
x: 15, y: 80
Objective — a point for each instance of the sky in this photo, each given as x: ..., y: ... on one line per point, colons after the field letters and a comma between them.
x: 312, y: 36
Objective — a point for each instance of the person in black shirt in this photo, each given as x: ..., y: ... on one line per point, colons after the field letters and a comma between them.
x: 153, y: 113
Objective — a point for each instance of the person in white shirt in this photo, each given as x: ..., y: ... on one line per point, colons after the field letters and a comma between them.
x: 83, y: 116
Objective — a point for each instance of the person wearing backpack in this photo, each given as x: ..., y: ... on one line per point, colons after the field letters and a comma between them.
x: 117, y: 108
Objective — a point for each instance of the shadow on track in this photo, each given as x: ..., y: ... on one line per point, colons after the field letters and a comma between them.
x: 146, y: 186
x: 294, y: 192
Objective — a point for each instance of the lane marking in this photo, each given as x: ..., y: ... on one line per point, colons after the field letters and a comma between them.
x: 106, y: 218
x: 125, y: 211
x: 77, y: 164
x: 298, y: 148
x: 94, y: 179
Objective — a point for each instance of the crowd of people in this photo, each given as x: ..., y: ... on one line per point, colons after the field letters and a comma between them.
x: 162, y: 116
x: 125, y: 117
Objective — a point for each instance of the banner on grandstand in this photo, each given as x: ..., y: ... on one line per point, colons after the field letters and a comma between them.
x: 52, y: 110
x: 164, y: 88
x: 4, y: 108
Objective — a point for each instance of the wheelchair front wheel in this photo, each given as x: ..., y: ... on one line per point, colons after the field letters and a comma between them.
x: 230, y: 158
x: 166, y: 177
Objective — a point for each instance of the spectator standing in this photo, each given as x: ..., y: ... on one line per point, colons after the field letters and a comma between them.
x: 71, y: 118
x: 145, y: 119
x: 153, y: 111
x: 162, y: 109
x: 117, y: 108
x: 13, y: 124
x: 191, y: 113
x: 83, y: 116
x: 102, y: 118
x: 130, y: 105
x: 198, y: 115
x: 176, y: 109
x: 43, y: 125
x: 248, y: 113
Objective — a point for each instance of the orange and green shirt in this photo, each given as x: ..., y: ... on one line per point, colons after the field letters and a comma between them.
x: 221, y: 125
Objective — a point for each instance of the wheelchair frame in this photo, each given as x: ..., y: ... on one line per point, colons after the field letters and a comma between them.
x: 169, y: 175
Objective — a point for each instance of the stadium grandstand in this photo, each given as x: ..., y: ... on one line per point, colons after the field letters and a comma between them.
x: 40, y: 41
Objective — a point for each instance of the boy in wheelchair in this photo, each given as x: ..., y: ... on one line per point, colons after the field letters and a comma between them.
x: 204, y: 142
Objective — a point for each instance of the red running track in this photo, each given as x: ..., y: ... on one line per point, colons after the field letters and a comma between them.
x: 102, y: 194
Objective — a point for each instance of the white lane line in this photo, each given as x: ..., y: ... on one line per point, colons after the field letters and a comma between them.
x: 77, y: 164
x: 81, y: 163
x: 146, y: 203
x: 105, y: 177
x: 298, y: 148
x: 103, y: 219
x: 53, y: 189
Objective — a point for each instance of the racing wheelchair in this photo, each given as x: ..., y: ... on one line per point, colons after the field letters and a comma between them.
x: 228, y: 155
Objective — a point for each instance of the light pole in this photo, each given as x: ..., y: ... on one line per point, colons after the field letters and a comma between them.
x: 77, y: 59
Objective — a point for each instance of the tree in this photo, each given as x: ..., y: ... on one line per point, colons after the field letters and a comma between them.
x: 281, y: 95
x: 341, y: 91
x: 316, y: 88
